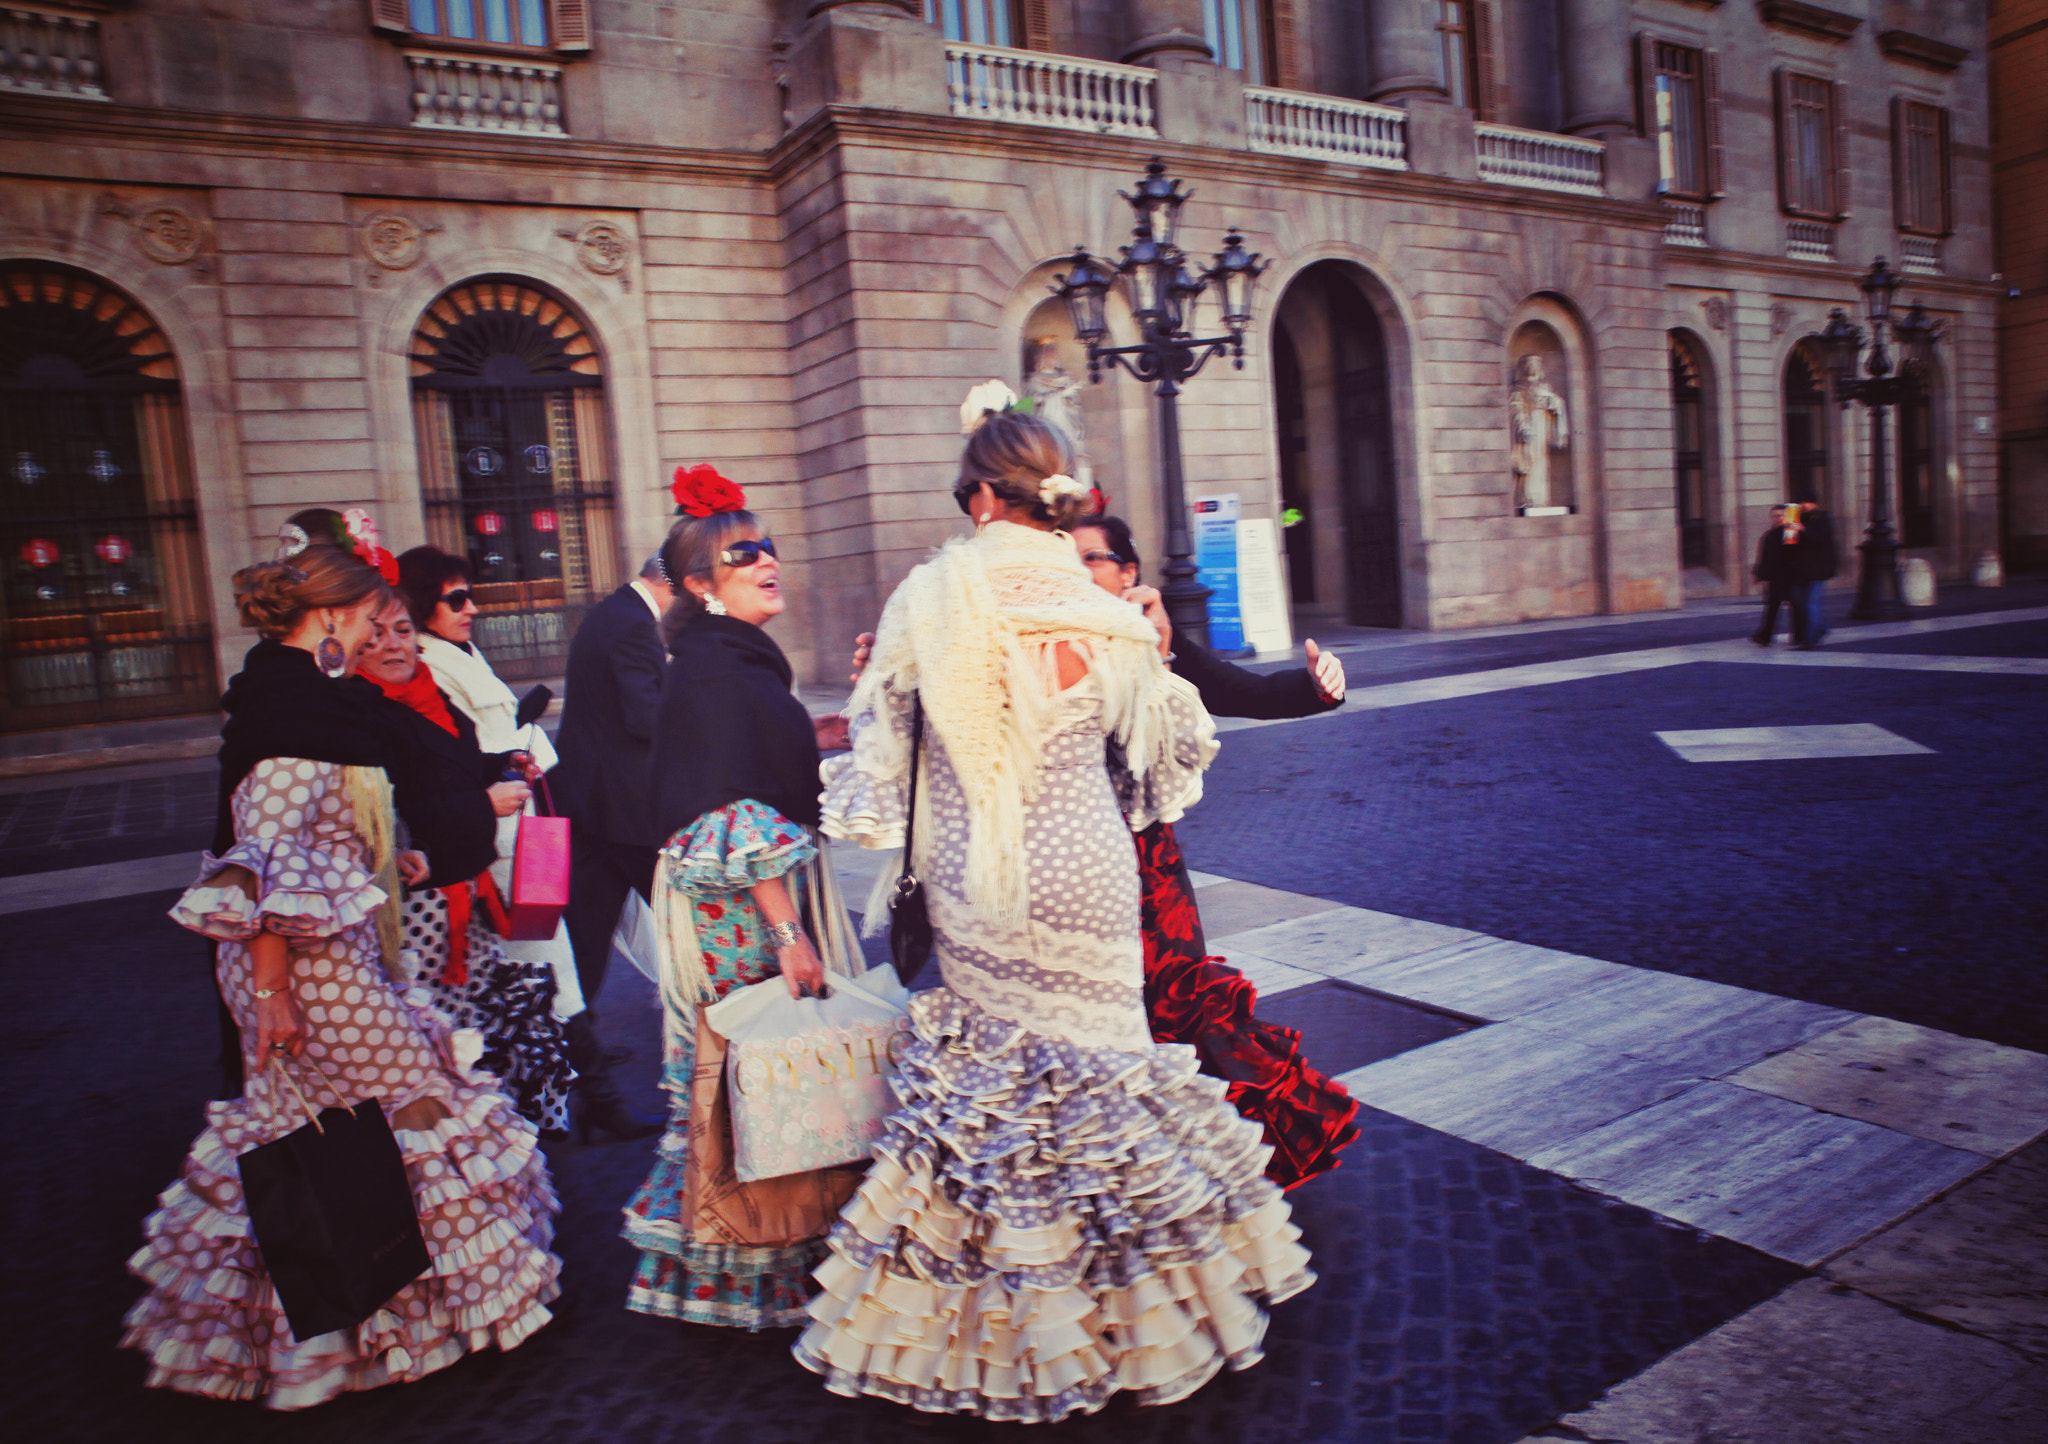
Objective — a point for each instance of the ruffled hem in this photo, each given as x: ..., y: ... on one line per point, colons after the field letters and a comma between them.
x: 212, y: 1323
x: 732, y: 849
x: 300, y: 893
x: 1046, y: 1225
x: 858, y: 806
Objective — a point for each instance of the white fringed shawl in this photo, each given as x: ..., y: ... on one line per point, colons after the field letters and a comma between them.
x: 974, y: 631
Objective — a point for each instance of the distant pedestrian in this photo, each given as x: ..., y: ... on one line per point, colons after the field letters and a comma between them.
x: 1810, y: 552
x: 1773, y: 570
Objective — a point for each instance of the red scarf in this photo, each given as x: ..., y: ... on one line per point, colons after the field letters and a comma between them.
x: 423, y: 695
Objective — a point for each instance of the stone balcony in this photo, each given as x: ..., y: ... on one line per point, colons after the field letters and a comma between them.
x: 50, y: 52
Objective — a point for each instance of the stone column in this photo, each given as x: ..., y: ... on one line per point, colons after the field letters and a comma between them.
x: 1166, y: 34
x: 1407, y: 58
x: 1592, y: 44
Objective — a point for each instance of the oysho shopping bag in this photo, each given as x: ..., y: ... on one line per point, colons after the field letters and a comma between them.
x: 810, y: 1079
x: 540, y: 874
x: 333, y: 1216
x: 717, y: 1206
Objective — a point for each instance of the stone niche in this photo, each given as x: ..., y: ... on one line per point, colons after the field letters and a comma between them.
x: 1543, y: 422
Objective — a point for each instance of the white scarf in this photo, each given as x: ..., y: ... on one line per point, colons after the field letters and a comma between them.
x: 974, y: 631
x: 471, y: 685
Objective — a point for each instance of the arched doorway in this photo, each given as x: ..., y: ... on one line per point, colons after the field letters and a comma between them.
x: 1918, y: 525
x: 1689, y: 445
x: 515, y: 462
x: 1334, y: 412
x: 1806, y: 429
x: 103, y: 599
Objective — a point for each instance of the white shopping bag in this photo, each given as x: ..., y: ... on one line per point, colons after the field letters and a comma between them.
x: 810, y: 1078
x: 633, y: 940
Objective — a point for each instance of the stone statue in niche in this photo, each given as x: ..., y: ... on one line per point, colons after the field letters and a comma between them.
x: 1056, y: 395
x: 1541, y: 425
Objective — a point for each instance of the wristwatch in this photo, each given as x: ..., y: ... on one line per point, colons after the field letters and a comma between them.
x: 787, y: 933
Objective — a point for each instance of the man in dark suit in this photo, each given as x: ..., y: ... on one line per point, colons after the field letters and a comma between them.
x: 1810, y: 560
x: 613, y: 684
x: 1773, y: 570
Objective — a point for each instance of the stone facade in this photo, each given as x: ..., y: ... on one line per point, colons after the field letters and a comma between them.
x: 795, y: 238
x: 2019, y: 47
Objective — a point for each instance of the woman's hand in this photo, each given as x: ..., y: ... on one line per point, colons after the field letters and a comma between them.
x: 1155, y: 613
x: 412, y: 867
x: 863, y: 648
x: 280, y: 1026
x: 801, y: 969
x: 833, y: 733
x: 508, y: 797
x: 1328, y: 673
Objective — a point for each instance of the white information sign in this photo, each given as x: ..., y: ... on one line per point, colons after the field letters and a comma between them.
x: 1262, y: 605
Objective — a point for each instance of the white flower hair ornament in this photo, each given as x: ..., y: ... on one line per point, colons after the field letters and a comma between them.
x: 1057, y: 485
x: 984, y: 401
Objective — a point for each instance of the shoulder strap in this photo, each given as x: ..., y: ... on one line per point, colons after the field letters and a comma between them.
x: 916, y: 748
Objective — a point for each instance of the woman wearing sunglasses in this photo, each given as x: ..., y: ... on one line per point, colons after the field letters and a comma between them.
x: 439, y: 593
x: 734, y: 777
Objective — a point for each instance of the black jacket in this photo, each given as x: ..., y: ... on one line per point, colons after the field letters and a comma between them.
x: 1231, y: 691
x: 1812, y: 558
x: 613, y: 683
x: 438, y: 783
x: 1771, y: 563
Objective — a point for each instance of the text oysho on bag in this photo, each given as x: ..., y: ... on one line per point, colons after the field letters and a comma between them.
x: 810, y: 1079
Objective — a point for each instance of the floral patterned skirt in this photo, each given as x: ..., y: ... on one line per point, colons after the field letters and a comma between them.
x: 1198, y: 1000
x: 677, y: 1277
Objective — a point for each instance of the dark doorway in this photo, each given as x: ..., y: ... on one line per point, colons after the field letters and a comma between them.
x: 1806, y: 436
x: 1916, y: 473
x: 1294, y: 499
x: 1689, y: 455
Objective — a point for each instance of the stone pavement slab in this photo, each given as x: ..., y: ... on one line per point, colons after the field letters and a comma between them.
x: 1489, y: 978
x: 26, y: 892
x: 1269, y: 977
x: 1977, y: 1258
x: 1235, y: 907
x: 1789, y: 1180
x: 1514, y: 1090
x: 1339, y: 941
x: 1704, y: 1028
x: 1822, y: 1364
x: 1766, y: 744
x: 1963, y: 1092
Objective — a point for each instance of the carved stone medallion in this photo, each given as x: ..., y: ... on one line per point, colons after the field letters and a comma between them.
x: 167, y: 235
x: 1781, y: 318
x: 602, y: 248
x: 1717, y: 312
x: 393, y: 242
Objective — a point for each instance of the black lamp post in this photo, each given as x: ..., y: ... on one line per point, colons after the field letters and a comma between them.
x: 1877, y: 583
x: 1163, y: 296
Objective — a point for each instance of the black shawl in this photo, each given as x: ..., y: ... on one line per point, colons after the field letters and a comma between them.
x: 728, y: 727
x: 281, y: 705
x: 438, y: 784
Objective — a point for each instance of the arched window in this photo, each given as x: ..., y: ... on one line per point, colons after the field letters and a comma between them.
x: 103, y: 611
x: 1806, y: 436
x: 515, y: 462
x: 1689, y: 455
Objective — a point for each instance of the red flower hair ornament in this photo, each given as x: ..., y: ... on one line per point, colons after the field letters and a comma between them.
x: 700, y: 491
x: 359, y: 532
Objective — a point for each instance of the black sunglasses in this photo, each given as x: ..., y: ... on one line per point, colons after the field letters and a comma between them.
x: 456, y: 600
x: 746, y: 553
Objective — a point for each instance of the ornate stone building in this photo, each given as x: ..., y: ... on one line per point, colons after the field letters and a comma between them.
x: 1534, y: 339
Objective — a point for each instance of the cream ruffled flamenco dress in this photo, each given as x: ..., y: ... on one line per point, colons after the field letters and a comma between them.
x: 1061, y: 1210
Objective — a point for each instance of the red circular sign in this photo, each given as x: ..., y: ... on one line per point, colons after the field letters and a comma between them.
x: 545, y: 519
x: 40, y: 553
x: 114, y: 549
x: 490, y: 523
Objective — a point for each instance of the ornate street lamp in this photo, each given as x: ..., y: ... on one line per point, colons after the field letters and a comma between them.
x: 1164, y: 296
x: 1877, y: 582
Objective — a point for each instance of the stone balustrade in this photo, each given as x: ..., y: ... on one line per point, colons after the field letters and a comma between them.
x: 1028, y: 87
x: 1809, y: 241
x: 1685, y: 224
x: 1920, y: 255
x: 44, y: 52
x: 1321, y: 127
x: 1509, y: 155
x: 471, y: 92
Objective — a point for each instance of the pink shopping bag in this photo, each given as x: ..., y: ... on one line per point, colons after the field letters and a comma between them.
x: 540, y: 875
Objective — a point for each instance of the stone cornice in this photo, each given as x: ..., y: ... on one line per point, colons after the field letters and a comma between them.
x: 1812, y: 20
x: 1921, y: 50
x: 1684, y: 266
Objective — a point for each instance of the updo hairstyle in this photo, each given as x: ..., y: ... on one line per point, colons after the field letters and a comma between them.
x: 1014, y: 452
x: 691, y: 550
x: 274, y: 597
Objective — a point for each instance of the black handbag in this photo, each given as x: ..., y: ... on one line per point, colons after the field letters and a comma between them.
x: 334, y: 1218
x: 910, y: 919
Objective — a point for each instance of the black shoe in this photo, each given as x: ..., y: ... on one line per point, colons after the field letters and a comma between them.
x: 599, y: 1106
x: 617, y: 1053
x: 1760, y: 640
x: 613, y: 1118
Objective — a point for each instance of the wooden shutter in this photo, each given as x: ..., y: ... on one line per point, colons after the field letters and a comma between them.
x: 1902, y: 199
x: 1946, y: 172
x: 1838, y: 114
x: 1491, y: 102
x: 1283, y: 46
x: 392, y: 16
x: 1788, y: 157
x: 1646, y: 86
x: 569, y: 24
x: 1034, y: 24
x: 1710, y: 105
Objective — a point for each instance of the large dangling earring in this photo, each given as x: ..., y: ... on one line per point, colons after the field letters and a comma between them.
x: 330, y: 654
x: 713, y: 605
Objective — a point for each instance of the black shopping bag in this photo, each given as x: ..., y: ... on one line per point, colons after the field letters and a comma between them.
x: 333, y: 1215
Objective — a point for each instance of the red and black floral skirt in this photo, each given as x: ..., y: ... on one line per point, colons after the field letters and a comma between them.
x: 1198, y: 1000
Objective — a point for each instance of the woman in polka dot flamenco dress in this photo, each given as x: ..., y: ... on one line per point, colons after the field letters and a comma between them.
x: 299, y: 890
x: 1061, y: 1210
